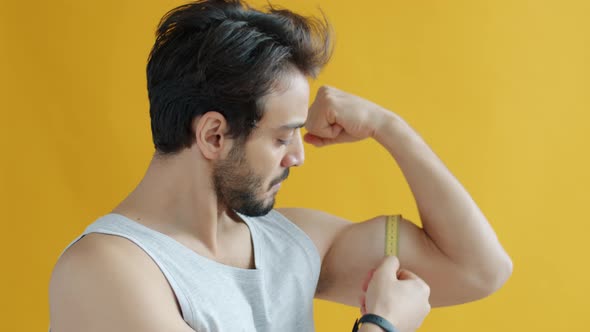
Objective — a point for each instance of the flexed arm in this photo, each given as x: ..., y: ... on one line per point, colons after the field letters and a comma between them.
x: 456, y: 252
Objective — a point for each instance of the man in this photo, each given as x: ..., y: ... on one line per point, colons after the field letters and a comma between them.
x: 198, y: 246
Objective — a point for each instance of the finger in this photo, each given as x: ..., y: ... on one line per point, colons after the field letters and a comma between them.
x: 368, y: 278
x: 363, y: 300
x: 334, y: 130
x: 313, y: 139
x: 407, y: 275
x: 326, y: 131
x: 363, y: 304
x: 389, y: 266
x: 321, y: 121
x: 322, y: 141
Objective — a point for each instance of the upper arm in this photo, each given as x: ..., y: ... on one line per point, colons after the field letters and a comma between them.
x: 106, y: 283
x: 350, y: 250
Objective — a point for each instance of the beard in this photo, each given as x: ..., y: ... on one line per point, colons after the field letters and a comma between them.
x: 237, y: 185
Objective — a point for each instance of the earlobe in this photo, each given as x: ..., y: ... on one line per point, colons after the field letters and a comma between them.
x: 210, y: 130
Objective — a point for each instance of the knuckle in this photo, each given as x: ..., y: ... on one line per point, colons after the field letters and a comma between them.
x: 421, y: 286
x: 328, y: 91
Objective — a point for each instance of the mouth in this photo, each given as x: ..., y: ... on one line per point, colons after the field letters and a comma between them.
x: 277, y: 185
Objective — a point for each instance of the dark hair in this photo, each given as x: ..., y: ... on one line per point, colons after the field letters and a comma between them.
x: 224, y: 56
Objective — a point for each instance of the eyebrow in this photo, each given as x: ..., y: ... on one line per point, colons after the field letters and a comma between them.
x: 291, y: 126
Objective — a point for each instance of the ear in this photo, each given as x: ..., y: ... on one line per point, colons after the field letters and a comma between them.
x: 210, y: 129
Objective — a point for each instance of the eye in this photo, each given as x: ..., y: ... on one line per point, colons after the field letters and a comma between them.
x: 283, y: 142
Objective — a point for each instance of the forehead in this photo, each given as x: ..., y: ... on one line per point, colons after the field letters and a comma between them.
x: 288, y: 103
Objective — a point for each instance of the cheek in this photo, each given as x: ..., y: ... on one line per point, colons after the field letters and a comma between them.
x: 270, y: 163
x: 266, y: 160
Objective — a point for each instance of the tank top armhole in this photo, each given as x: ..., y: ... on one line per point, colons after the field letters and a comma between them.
x: 309, y: 246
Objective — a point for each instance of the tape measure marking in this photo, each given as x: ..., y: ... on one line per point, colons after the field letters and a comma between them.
x: 391, y: 235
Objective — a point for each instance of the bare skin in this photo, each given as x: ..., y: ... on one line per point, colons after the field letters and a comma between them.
x: 395, y: 294
x: 107, y: 283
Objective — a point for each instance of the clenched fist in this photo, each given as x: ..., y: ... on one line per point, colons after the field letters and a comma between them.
x: 338, y: 117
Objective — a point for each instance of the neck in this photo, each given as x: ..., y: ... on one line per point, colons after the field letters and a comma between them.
x: 176, y: 196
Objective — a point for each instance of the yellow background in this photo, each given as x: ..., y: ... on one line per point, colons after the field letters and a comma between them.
x: 499, y: 89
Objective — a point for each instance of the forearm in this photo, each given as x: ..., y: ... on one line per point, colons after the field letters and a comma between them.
x: 449, y: 215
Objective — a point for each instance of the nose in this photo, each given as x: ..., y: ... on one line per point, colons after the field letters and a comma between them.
x: 295, y: 155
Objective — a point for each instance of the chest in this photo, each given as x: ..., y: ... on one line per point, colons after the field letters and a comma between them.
x: 261, y: 301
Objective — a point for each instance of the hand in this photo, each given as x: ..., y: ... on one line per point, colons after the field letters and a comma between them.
x: 401, y: 297
x: 337, y: 117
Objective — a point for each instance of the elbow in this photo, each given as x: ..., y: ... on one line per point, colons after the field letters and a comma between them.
x: 491, y: 281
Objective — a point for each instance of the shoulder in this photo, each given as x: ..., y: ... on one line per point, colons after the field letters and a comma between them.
x: 320, y: 226
x: 107, y: 282
x: 97, y: 252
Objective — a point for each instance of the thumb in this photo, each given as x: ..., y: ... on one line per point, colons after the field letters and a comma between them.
x: 388, y: 266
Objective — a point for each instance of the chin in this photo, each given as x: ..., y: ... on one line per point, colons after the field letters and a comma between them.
x: 258, y: 209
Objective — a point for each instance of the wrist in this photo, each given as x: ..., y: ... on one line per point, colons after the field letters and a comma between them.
x: 370, y: 328
x: 387, y: 124
x: 373, y: 323
x: 395, y: 134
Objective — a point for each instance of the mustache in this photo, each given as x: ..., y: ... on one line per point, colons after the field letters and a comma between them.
x: 282, y: 178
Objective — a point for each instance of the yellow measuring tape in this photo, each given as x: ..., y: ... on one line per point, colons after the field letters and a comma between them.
x: 392, y: 235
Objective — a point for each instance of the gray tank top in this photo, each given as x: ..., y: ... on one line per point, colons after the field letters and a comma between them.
x: 275, y: 296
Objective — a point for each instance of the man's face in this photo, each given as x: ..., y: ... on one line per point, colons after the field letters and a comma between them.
x: 248, y: 180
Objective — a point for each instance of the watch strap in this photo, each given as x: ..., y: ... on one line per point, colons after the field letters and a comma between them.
x: 374, y: 319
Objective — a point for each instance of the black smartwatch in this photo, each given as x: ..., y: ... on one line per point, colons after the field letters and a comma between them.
x: 374, y: 319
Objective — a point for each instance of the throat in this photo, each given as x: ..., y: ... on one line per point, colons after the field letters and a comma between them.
x: 234, y: 246
x: 238, y: 248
